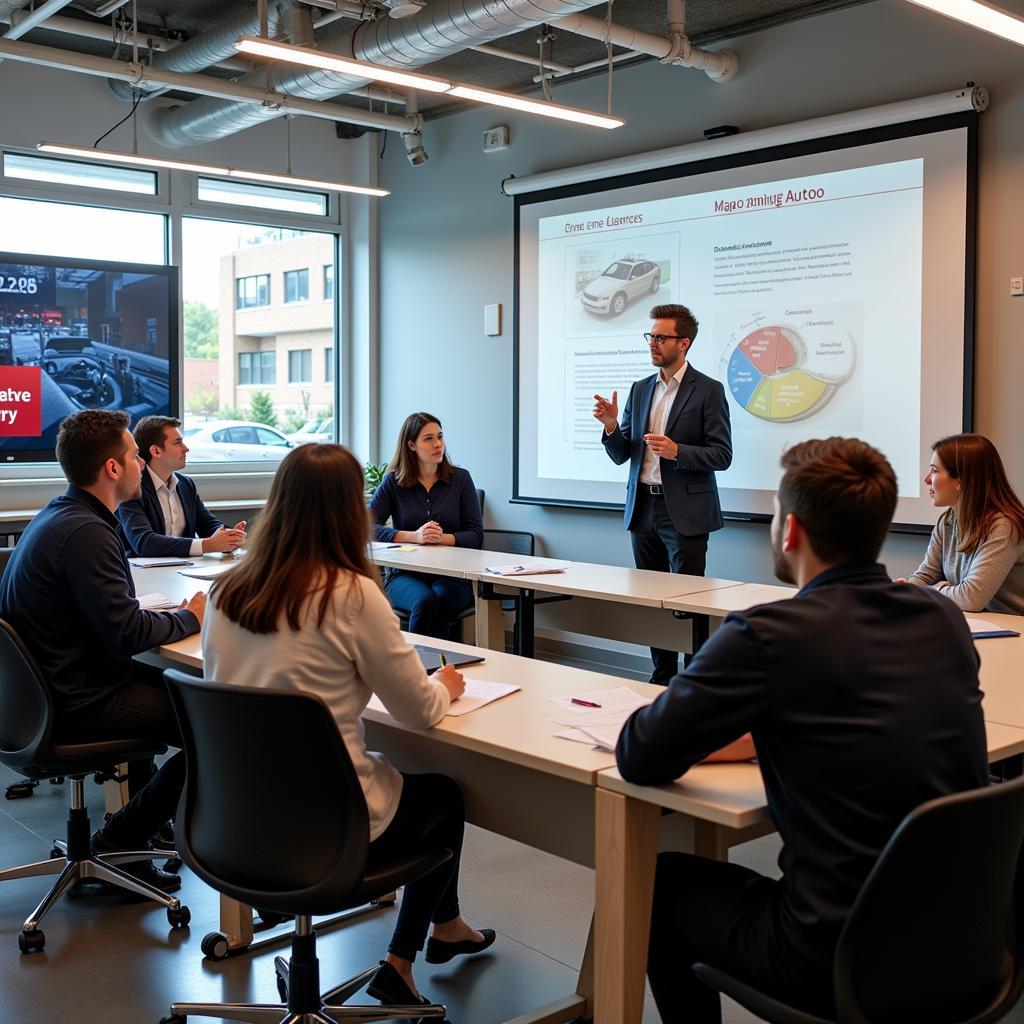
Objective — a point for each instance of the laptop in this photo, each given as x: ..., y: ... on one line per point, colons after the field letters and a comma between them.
x: 431, y: 657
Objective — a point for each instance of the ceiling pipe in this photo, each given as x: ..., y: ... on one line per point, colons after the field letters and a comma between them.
x: 33, y: 18
x: 142, y: 75
x: 521, y: 58
x: 108, y: 8
x: 676, y: 49
x: 209, y: 48
x: 447, y: 27
x: 592, y: 65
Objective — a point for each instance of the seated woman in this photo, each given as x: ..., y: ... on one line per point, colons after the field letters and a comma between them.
x: 304, y: 611
x: 976, y: 553
x: 429, y: 501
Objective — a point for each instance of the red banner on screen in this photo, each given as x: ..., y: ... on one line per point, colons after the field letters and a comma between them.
x: 20, y: 401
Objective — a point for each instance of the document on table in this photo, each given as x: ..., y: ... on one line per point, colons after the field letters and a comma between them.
x: 382, y: 545
x: 157, y: 562
x: 598, y: 726
x: 478, y: 693
x: 208, y: 572
x: 982, y: 629
x: 524, y: 570
x: 155, y: 602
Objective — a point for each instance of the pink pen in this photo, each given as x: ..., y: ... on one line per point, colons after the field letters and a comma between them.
x: 583, y: 703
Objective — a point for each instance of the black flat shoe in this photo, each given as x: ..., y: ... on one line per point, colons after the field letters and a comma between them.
x: 390, y: 988
x: 440, y: 952
x: 143, y: 870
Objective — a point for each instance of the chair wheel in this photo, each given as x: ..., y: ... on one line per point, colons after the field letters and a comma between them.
x: 174, y: 1018
x: 20, y: 790
x: 31, y: 941
x: 172, y: 864
x: 214, y: 946
x: 180, y: 917
x: 56, y: 853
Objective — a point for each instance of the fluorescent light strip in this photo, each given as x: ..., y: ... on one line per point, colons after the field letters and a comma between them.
x: 259, y: 47
x: 139, y: 160
x: 979, y: 15
x: 502, y: 99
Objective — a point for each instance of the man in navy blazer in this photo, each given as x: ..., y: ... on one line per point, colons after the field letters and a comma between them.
x: 675, y: 434
x: 169, y: 518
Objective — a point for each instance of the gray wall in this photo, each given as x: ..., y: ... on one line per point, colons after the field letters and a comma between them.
x: 447, y: 238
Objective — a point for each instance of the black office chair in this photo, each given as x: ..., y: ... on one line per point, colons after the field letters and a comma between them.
x: 937, y: 933
x: 246, y: 829
x: 27, y: 746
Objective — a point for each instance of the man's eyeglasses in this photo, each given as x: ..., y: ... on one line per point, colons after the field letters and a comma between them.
x: 660, y: 339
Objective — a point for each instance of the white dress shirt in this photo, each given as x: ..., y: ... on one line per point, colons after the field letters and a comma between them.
x: 664, y: 395
x: 170, y: 505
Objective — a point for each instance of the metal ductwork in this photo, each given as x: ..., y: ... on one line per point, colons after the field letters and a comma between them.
x: 209, y: 48
x: 446, y: 28
x: 8, y: 7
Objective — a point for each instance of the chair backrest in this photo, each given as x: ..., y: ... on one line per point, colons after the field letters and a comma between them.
x: 27, y: 708
x: 480, y: 498
x: 936, y: 932
x: 272, y: 812
x: 515, y: 542
x: 5, y: 557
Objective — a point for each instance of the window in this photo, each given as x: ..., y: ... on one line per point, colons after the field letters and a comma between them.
x: 257, y: 368
x: 329, y: 283
x: 329, y: 365
x: 296, y: 285
x: 251, y: 292
x: 300, y: 366
x: 265, y: 197
x: 80, y: 174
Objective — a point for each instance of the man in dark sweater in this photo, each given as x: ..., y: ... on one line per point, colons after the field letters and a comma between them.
x: 68, y: 591
x: 862, y: 699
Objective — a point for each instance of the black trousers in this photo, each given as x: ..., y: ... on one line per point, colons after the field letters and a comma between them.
x: 430, y: 814
x: 139, y: 710
x: 658, y: 545
x: 725, y: 915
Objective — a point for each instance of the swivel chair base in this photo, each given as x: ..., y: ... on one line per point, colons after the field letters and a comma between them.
x: 73, y: 861
x: 298, y: 982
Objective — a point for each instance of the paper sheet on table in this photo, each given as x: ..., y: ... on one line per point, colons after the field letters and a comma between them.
x: 210, y: 572
x: 597, y: 726
x: 525, y: 570
x: 983, y: 628
x: 156, y: 562
x: 382, y: 545
x: 478, y: 693
x: 155, y: 602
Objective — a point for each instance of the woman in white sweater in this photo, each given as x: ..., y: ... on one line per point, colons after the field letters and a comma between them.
x: 304, y: 611
x: 976, y: 553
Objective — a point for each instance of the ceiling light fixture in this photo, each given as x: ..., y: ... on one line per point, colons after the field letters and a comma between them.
x: 166, y: 163
x: 304, y: 55
x: 542, y: 107
x: 977, y: 14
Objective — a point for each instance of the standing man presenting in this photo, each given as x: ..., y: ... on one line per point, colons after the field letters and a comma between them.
x: 675, y: 434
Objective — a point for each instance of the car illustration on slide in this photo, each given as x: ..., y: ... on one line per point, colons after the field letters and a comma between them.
x: 619, y: 284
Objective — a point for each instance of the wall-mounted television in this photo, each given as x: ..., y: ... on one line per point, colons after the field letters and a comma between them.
x: 82, y: 334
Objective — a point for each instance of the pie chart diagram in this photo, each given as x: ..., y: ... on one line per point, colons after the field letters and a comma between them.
x: 782, y: 373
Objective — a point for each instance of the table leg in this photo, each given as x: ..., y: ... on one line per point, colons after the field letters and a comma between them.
x: 490, y: 623
x: 236, y: 922
x: 626, y: 845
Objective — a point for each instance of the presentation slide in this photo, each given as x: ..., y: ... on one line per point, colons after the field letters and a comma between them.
x: 830, y: 293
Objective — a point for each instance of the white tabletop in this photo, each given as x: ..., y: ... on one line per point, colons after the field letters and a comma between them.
x: 720, y: 601
x: 1002, y: 678
x: 439, y: 560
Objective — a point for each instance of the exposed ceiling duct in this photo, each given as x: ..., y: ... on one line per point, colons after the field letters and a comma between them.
x: 447, y: 28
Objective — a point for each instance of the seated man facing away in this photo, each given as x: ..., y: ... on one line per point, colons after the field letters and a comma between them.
x: 862, y: 697
x: 168, y: 517
x: 68, y: 592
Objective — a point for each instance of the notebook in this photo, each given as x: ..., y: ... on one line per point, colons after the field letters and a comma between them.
x: 431, y: 657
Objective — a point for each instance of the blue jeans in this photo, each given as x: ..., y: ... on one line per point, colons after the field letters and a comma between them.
x: 431, y: 602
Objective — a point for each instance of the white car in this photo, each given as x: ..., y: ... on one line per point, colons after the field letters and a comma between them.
x: 235, y: 441
x: 315, y: 431
x: 619, y: 284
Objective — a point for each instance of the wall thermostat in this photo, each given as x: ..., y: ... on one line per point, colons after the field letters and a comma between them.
x: 496, y: 138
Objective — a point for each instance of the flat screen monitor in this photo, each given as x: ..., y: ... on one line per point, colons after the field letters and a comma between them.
x: 82, y: 334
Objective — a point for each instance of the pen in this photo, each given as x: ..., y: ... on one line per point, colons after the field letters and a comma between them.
x: 583, y: 703
x: 444, y: 660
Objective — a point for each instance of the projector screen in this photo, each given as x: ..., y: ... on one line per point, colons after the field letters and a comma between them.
x: 833, y: 284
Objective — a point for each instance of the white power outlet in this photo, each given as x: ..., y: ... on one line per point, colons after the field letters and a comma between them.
x: 496, y: 138
x: 1017, y: 285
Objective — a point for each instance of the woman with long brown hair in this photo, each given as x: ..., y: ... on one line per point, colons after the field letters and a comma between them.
x: 429, y: 501
x: 304, y: 612
x: 976, y: 553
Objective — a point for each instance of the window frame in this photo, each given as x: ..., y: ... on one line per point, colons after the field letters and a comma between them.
x: 256, y: 305
x: 305, y: 363
x: 296, y: 276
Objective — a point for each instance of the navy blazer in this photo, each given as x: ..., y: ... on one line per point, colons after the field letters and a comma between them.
x: 144, y: 532
x: 862, y: 697
x: 699, y: 423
